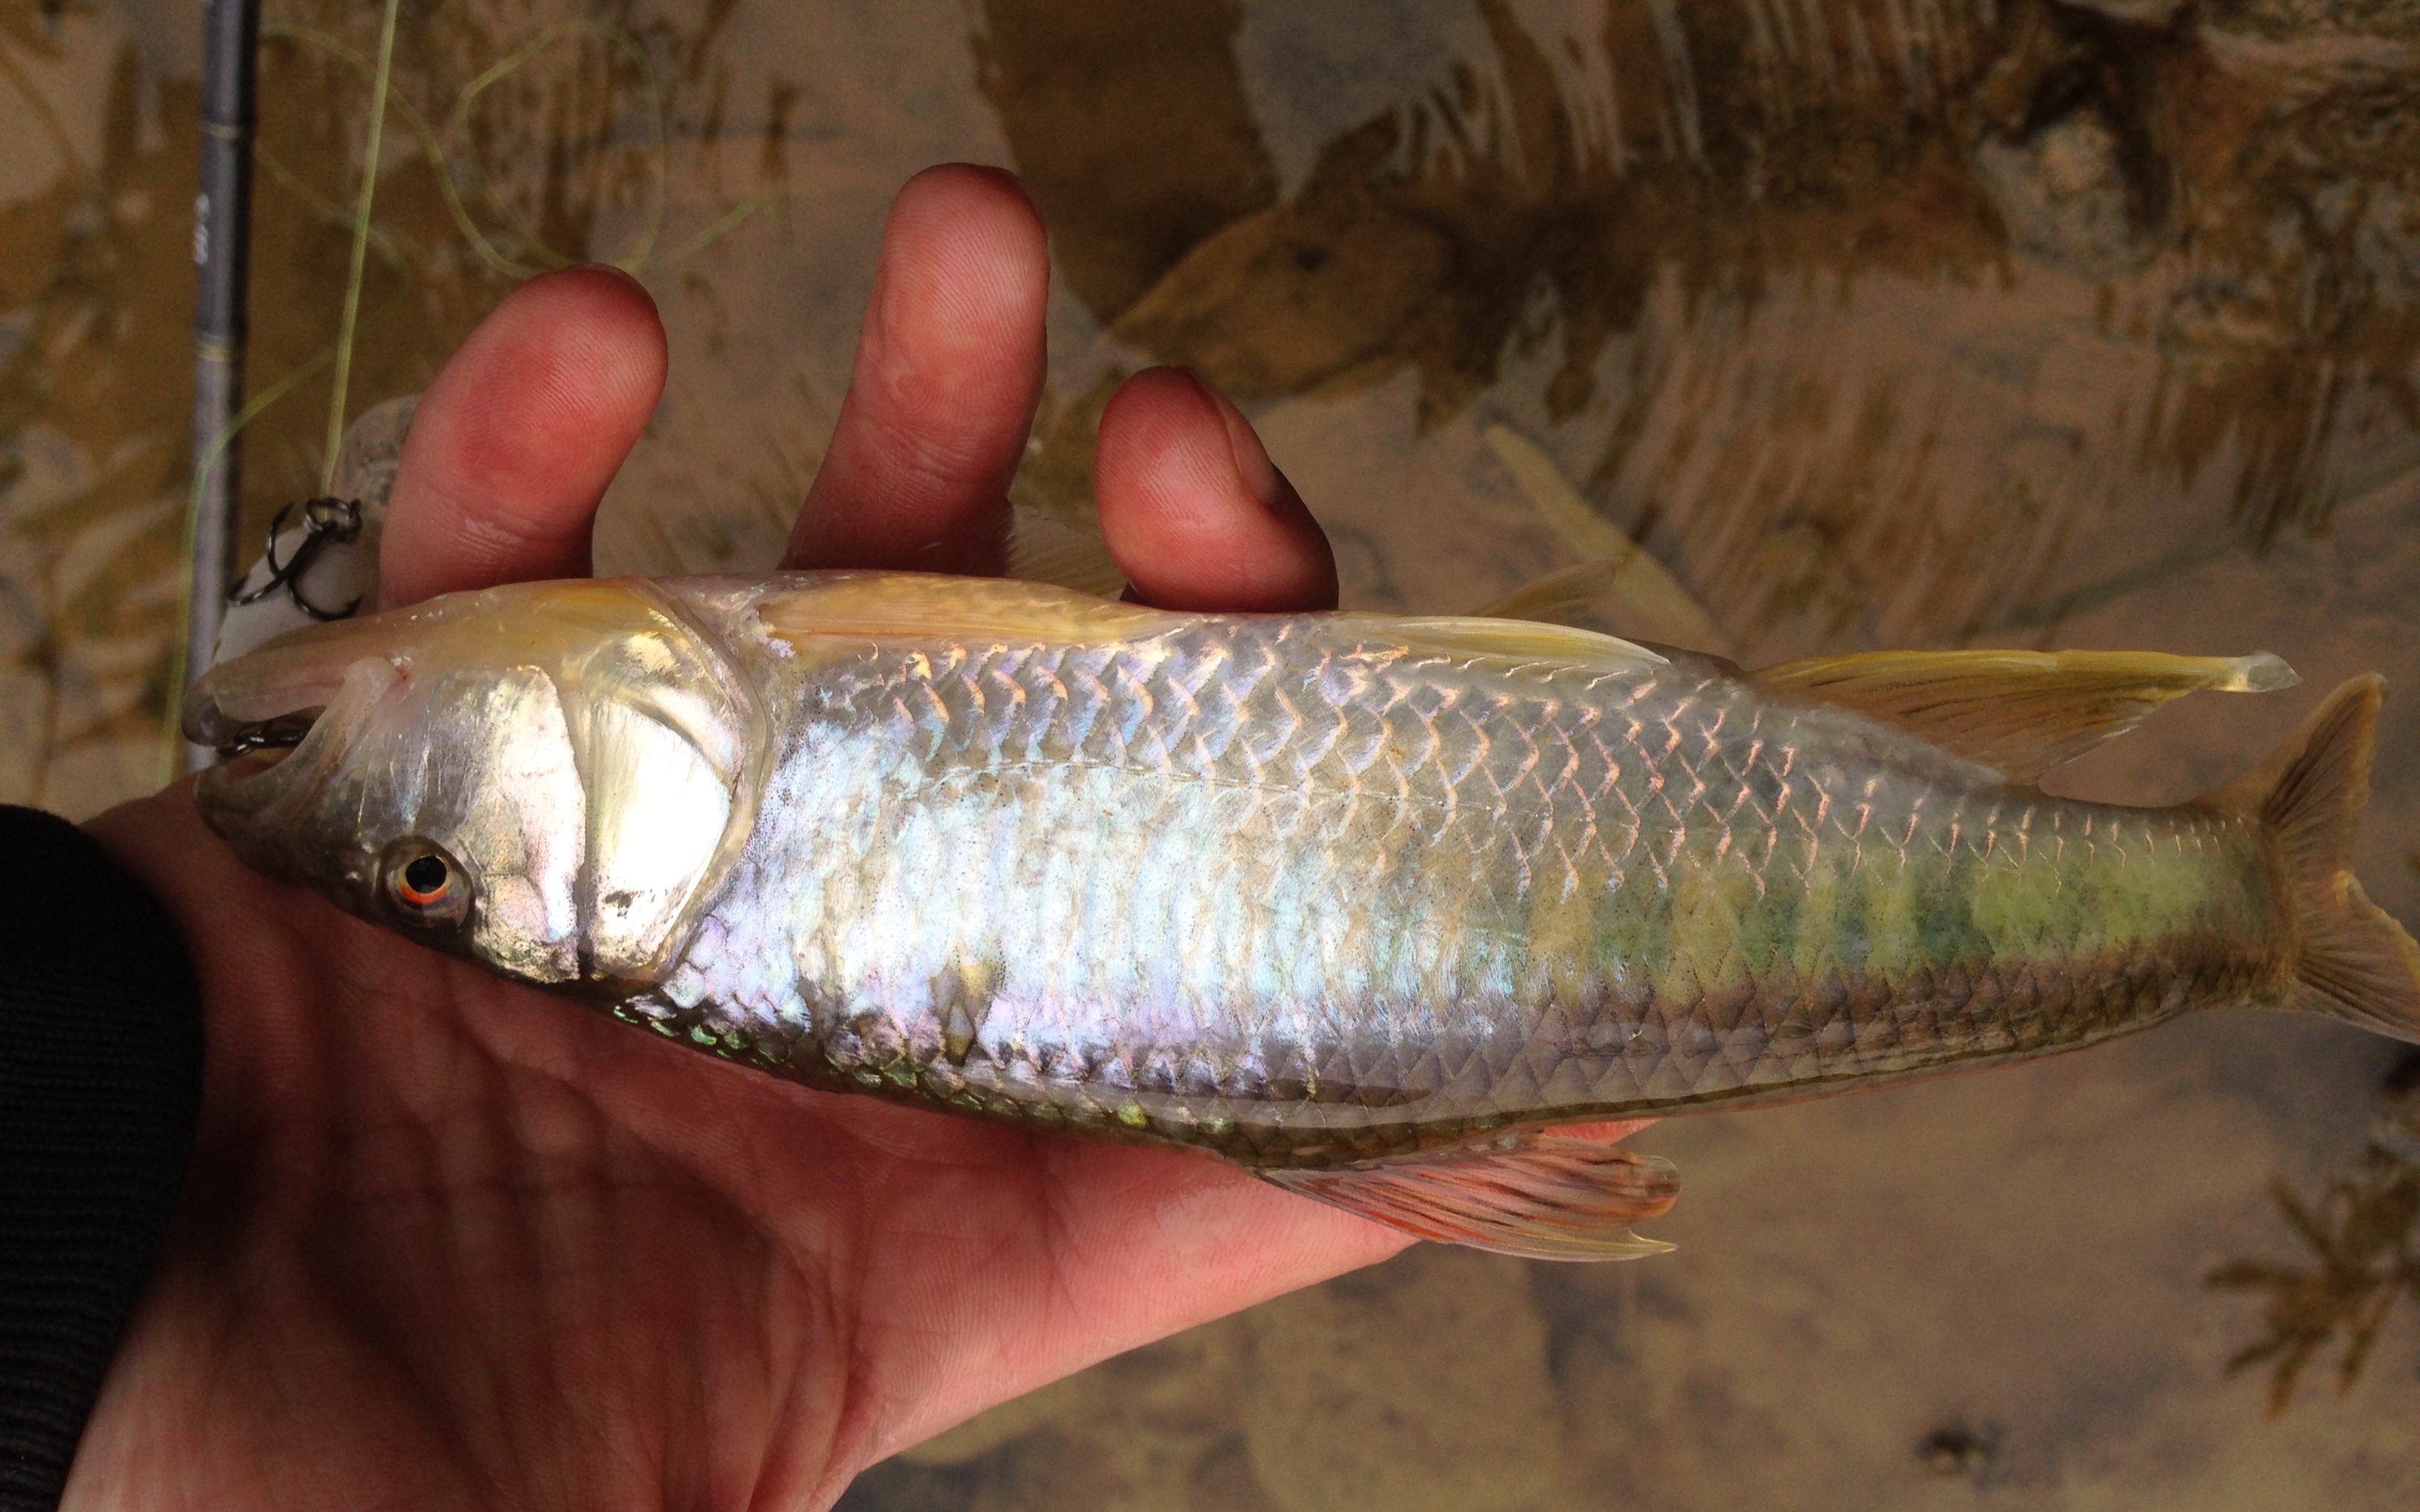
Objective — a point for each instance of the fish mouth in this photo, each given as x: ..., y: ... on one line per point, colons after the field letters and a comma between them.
x: 284, y: 718
x: 273, y: 697
x: 265, y: 741
x: 256, y: 741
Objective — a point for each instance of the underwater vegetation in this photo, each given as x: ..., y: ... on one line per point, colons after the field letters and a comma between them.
x: 521, y: 138
x: 94, y: 244
x: 513, y: 130
x: 2361, y: 1234
x: 1866, y: 321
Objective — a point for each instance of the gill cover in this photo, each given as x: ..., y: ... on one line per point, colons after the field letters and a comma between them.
x: 663, y: 732
x: 579, y: 749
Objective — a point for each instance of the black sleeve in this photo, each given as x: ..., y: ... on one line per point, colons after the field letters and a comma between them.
x: 100, y: 1075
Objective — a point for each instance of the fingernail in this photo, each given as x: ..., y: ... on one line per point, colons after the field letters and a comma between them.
x: 1259, y: 475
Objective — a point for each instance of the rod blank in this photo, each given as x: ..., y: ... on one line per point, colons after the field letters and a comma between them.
x: 222, y: 265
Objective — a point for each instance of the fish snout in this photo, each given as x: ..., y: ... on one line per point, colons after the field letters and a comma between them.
x: 272, y: 696
x: 287, y: 733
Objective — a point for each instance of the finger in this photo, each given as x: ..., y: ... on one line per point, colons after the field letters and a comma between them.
x: 1194, y: 511
x: 514, y: 443
x: 948, y: 370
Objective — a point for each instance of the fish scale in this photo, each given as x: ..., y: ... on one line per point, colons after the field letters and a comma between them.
x: 1305, y: 867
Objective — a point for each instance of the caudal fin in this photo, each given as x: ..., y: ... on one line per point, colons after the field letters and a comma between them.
x: 2355, y: 961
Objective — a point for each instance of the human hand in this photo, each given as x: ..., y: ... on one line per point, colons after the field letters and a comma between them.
x: 448, y: 1240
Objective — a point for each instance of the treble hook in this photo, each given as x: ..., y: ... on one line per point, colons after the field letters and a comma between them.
x: 323, y: 520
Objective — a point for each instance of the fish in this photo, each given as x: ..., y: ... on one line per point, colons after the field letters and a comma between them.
x: 1387, y: 910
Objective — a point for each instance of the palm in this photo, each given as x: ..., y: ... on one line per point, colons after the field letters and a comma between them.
x: 448, y: 1240
x: 465, y: 1237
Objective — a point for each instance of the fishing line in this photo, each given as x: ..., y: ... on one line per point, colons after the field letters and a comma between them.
x: 361, y: 249
x: 449, y: 181
x: 390, y: 251
x: 439, y: 161
x: 379, y: 72
x: 660, y: 158
x: 180, y: 671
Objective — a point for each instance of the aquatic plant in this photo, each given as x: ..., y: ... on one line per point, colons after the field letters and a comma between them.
x: 1870, y: 323
x: 91, y: 442
x: 2363, y: 1236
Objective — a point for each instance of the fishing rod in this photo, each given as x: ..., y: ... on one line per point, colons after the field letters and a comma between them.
x: 222, y: 260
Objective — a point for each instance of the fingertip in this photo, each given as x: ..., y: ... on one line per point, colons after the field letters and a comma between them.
x: 1193, y: 509
x: 970, y: 206
x: 514, y: 443
x: 964, y: 277
x: 947, y: 376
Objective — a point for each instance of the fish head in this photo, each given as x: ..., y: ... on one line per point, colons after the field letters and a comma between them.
x: 547, y: 778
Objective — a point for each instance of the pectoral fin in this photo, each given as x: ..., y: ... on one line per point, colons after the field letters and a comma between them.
x: 1560, y: 597
x: 1535, y: 1194
x: 847, y: 606
x: 1661, y: 608
x: 2023, y: 712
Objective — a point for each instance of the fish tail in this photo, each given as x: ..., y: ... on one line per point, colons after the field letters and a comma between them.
x: 2354, y: 961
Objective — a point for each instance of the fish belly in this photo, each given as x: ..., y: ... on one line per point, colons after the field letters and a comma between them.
x: 1265, y: 888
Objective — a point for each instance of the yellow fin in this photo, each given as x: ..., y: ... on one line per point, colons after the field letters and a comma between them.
x: 890, y: 606
x: 2023, y: 712
x: 2355, y: 962
x: 1538, y: 1195
x: 1666, y: 609
x: 855, y: 606
x: 1518, y: 641
x: 1559, y: 597
x: 1043, y: 549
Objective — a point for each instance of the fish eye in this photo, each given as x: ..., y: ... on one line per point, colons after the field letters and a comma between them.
x: 425, y: 879
x: 426, y: 884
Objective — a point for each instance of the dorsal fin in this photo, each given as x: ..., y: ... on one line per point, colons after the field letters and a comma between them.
x: 2022, y: 712
x: 882, y: 606
x: 1532, y: 1192
x: 897, y: 606
x: 1517, y: 641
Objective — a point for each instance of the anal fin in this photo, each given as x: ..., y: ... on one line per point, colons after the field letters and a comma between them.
x: 1563, y: 596
x: 1533, y: 1193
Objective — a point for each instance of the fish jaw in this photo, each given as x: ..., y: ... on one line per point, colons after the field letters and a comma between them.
x: 269, y: 801
x: 575, y: 761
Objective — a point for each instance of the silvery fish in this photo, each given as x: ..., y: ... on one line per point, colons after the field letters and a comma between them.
x: 1369, y: 905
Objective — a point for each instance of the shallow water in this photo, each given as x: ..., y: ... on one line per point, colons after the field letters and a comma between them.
x: 1878, y: 322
